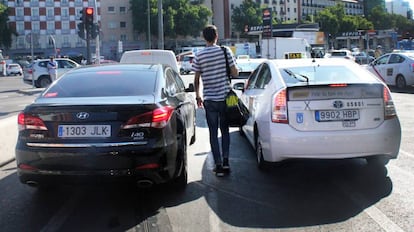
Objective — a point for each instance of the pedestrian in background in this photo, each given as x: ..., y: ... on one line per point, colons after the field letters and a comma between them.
x: 209, y: 64
x: 52, y: 69
x: 378, y: 51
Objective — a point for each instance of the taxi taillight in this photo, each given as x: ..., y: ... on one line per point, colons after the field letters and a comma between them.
x: 279, y: 107
x: 389, y: 108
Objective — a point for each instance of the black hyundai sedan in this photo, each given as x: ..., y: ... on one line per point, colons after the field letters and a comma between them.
x: 113, y: 122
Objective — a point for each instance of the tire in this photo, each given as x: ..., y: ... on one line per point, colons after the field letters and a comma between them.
x: 261, y: 163
x: 241, y: 132
x: 44, y: 82
x: 193, y: 138
x: 179, y: 183
x: 400, y: 82
x: 377, y: 161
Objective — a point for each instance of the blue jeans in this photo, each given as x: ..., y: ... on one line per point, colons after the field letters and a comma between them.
x: 216, y: 116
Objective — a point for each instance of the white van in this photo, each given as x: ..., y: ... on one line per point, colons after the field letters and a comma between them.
x: 150, y: 56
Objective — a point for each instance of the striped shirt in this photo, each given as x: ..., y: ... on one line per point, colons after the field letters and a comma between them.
x: 211, y: 64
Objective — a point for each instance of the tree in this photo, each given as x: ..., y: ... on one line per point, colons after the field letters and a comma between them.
x: 380, y: 18
x: 180, y: 17
x: 247, y: 14
x: 5, y: 31
x: 333, y: 20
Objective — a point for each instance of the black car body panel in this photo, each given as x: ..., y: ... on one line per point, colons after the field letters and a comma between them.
x: 74, y: 133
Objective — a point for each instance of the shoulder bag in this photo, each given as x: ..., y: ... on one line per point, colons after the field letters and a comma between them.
x: 237, y: 113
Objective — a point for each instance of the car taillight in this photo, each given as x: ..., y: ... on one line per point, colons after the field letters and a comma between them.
x: 389, y: 108
x: 26, y: 122
x: 279, y: 107
x: 30, y: 71
x: 412, y: 67
x: 157, y: 118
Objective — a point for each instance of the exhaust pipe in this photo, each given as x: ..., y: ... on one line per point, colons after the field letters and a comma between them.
x: 32, y: 183
x: 144, y: 183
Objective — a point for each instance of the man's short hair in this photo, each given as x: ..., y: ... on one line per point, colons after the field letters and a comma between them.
x: 210, y: 33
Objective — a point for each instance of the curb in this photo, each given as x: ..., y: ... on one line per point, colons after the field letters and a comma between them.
x: 4, y: 163
x: 30, y: 91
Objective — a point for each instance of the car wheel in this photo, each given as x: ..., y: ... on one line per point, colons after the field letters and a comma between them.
x: 44, y: 82
x: 180, y: 182
x: 261, y: 163
x: 193, y: 138
x: 378, y: 161
x: 241, y: 132
x: 400, y: 82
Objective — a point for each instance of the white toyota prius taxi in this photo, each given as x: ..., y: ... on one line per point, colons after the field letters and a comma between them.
x: 319, y: 109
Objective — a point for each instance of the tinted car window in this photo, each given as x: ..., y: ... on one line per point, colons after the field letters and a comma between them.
x: 104, y: 83
x: 253, y: 78
x: 65, y: 64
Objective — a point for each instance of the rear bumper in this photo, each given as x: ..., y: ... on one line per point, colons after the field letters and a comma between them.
x: 86, y: 166
x: 290, y: 143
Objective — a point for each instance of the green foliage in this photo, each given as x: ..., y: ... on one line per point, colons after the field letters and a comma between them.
x: 180, y: 17
x: 248, y: 13
x: 5, y: 31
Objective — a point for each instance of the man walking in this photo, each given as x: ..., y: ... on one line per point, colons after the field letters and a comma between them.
x: 210, y: 65
x: 52, y: 69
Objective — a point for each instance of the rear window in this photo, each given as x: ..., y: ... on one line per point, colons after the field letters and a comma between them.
x: 326, y: 74
x: 104, y: 83
x: 338, y: 54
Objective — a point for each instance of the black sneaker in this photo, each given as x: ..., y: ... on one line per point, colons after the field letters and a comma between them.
x: 219, y: 170
x: 226, y: 166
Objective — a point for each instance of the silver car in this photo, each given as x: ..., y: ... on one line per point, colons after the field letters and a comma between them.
x: 36, y: 73
x: 319, y: 109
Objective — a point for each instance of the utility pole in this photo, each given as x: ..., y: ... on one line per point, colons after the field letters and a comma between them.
x: 149, y: 23
x: 160, y: 26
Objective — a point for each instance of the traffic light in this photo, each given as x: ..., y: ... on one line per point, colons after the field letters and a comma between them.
x: 81, y: 30
x: 88, y: 16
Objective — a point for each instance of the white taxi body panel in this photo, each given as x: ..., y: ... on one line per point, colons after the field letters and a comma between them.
x: 395, y: 69
x: 358, y: 126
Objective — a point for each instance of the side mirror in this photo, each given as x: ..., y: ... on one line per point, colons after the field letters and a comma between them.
x: 239, y: 86
x: 190, y: 88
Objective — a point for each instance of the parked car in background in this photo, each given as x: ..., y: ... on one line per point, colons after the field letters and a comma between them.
x: 37, y: 72
x: 186, y: 64
x: 363, y: 58
x: 395, y: 69
x: 117, y: 122
x: 342, y: 53
x: 14, y: 69
x: 319, y: 109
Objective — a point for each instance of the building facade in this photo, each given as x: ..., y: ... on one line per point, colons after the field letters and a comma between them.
x: 47, y: 27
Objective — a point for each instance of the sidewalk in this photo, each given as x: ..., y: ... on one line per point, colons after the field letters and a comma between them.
x: 9, y: 131
x: 8, y: 138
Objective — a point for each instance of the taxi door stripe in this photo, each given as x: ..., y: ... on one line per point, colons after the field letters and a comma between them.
x: 376, y: 71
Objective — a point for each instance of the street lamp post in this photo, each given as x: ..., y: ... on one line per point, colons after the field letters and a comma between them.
x: 160, y: 26
x: 149, y: 23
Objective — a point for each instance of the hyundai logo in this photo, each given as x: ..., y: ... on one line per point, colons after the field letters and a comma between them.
x: 82, y: 115
x: 338, y: 104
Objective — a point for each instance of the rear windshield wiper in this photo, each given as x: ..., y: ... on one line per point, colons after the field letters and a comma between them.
x: 295, y: 75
